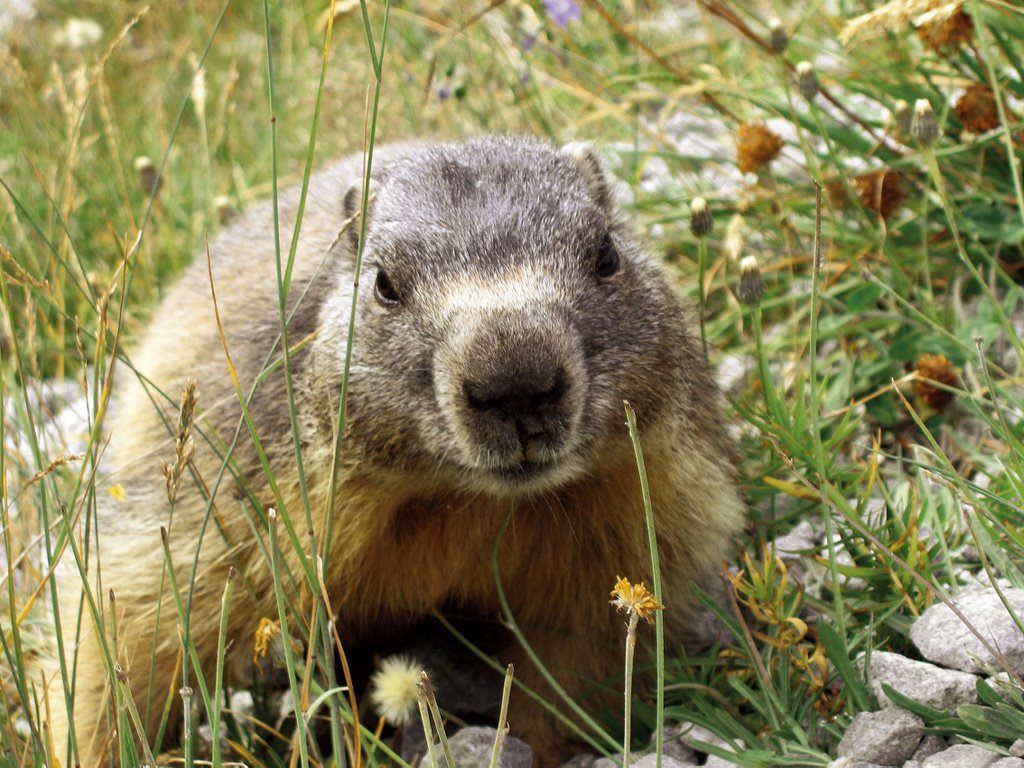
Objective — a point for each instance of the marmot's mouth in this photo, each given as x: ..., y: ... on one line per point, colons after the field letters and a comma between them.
x: 528, y: 477
x: 524, y: 470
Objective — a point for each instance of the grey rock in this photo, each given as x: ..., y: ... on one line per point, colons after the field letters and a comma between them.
x: 473, y: 746
x: 705, y: 628
x: 794, y: 547
x: 580, y: 761
x: 942, y: 637
x: 690, y: 733
x: 673, y: 746
x: 962, y: 756
x: 930, y: 745
x: 887, y: 737
x: 651, y: 761
x: 1008, y: 762
x: 414, y: 744
x: 1017, y: 748
x: 803, y: 539
x: 921, y: 681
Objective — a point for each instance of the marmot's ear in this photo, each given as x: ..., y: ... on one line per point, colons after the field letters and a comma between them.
x: 351, y: 207
x: 589, y: 164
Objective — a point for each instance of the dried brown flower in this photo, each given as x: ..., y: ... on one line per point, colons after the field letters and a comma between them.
x: 976, y: 109
x: 880, y: 191
x: 946, y: 33
x: 934, y: 368
x: 756, y: 146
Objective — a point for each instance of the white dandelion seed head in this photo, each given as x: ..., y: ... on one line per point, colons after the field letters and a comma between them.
x: 393, y: 688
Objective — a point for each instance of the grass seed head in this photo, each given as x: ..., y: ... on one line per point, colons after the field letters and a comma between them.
x: 732, y: 246
x: 184, y: 446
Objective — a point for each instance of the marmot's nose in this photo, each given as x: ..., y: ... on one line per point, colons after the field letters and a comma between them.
x: 529, y: 398
x: 519, y: 386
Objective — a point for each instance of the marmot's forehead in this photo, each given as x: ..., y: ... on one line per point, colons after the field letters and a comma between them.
x: 481, y: 182
x: 478, y: 203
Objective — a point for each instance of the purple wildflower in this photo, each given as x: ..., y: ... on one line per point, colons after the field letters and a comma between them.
x: 562, y: 11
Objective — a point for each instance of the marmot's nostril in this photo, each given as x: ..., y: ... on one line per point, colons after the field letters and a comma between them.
x: 526, y: 400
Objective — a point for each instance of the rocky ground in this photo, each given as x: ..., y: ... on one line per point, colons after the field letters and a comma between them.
x: 963, y: 641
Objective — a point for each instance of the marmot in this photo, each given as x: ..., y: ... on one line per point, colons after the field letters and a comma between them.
x: 504, y: 314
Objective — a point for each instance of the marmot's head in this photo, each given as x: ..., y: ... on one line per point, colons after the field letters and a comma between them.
x: 504, y: 315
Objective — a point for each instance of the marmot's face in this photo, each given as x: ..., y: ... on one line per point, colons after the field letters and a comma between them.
x: 506, y: 315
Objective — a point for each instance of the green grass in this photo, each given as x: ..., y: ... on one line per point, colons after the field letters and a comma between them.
x: 836, y: 419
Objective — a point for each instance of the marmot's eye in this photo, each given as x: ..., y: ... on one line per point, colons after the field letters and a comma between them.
x: 607, y: 263
x: 384, y: 289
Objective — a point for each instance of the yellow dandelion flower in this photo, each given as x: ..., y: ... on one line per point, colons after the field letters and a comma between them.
x: 635, y: 599
x: 265, y: 633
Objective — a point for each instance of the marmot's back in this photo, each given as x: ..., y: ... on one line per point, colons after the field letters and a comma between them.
x: 504, y: 313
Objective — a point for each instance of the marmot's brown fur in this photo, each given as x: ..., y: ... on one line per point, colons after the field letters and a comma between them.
x: 503, y: 316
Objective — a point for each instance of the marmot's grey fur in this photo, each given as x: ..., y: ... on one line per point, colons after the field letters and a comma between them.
x: 504, y: 314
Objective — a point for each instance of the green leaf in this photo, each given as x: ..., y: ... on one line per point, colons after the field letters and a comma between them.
x: 836, y: 651
x: 987, y: 693
x: 926, y: 713
x: 1000, y: 722
x: 989, y: 221
x: 863, y: 297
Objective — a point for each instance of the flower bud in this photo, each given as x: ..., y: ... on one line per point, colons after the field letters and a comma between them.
x: 923, y: 126
x: 901, y: 111
x: 700, y: 218
x: 751, y: 286
x: 806, y: 80
x: 777, y: 36
x: 145, y: 175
